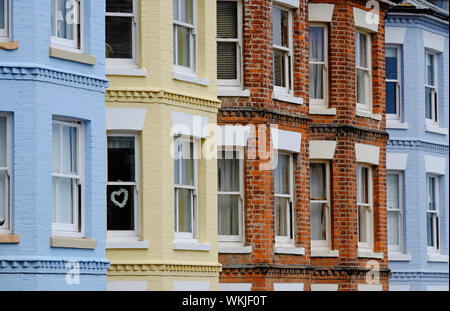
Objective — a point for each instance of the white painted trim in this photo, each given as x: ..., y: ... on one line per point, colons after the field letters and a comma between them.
x: 131, y: 119
x: 232, y: 287
x: 127, y: 286
x: 370, y: 287
x: 228, y: 249
x: 324, y: 287
x: 289, y: 3
x: 435, y: 165
x: 436, y: 129
x: 437, y: 257
x: 324, y: 253
x: 396, y: 161
x: 322, y: 110
x: 437, y: 288
x: 280, y: 287
x: 395, y: 35
x: 396, y: 256
x: 284, y: 97
x: 366, y: 254
x: 367, y: 153
x: 366, y: 19
x: 290, y: 250
x: 399, y: 288
x: 233, y: 135
x: 188, y: 124
x: 397, y: 124
x: 320, y: 12
x: 322, y: 149
x: 286, y: 140
x: 187, y: 246
x: 367, y: 114
x: 190, y: 286
x: 111, y: 244
x: 192, y: 78
x: 135, y: 72
x: 433, y: 41
x: 232, y: 92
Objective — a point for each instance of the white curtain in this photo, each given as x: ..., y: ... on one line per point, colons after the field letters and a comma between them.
x: 362, y: 223
x: 228, y: 214
x: 65, y: 27
x: 65, y: 190
x: 228, y: 172
x: 184, y: 210
x: 317, y: 183
x: 281, y: 175
x: 318, y: 221
x: 281, y: 209
x: 316, y: 54
x: 392, y: 181
x: 69, y: 150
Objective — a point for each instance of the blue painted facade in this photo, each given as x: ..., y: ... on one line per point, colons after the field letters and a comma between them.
x: 416, y: 28
x: 34, y: 88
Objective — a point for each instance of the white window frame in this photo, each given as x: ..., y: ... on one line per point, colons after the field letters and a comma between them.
x: 4, y: 32
x: 193, y: 43
x: 398, y: 82
x: 315, y: 101
x: 128, y: 234
x: 127, y: 62
x: 239, y: 238
x: 435, y: 98
x: 238, y: 41
x: 7, y: 226
x: 436, y: 226
x: 76, y: 229
x: 368, y: 70
x: 367, y: 246
x: 288, y: 57
x: 287, y: 241
x: 397, y: 248
x: 324, y: 244
x: 191, y: 236
x: 71, y: 45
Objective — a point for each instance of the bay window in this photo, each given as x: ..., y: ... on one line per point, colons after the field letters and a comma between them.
x: 185, y: 180
x: 67, y: 177
x: 5, y: 173
x: 318, y: 64
x: 393, y: 82
x: 320, y: 205
x: 394, y: 182
x: 282, y: 50
x: 365, y: 207
x: 431, y: 89
x: 121, y: 32
x: 4, y: 20
x: 363, y: 71
x: 122, y: 187
x: 230, y: 195
x: 229, y: 42
x: 184, y: 35
x: 433, y: 213
x: 283, y: 189
x: 66, y: 23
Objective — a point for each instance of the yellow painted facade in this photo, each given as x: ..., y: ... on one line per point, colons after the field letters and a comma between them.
x: 160, y: 94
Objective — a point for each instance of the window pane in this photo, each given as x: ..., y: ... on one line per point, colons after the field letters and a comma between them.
x: 361, y: 85
x: 187, y: 163
x: 280, y: 27
x: 2, y: 14
x: 316, y: 81
x: 228, y: 214
x: 391, y: 64
x: 431, y: 194
x: 391, y: 97
x: 183, y: 45
x: 281, y: 210
x: 3, y: 151
x: 65, y: 200
x: 429, y: 103
x: 120, y: 203
x: 69, y: 150
x: 318, y: 221
x: 227, y: 19
x: 362, y: 50
x: 362, y: 224
x: 122, y: 6
x: 228, y: 171
x: 393, y: 229
x: 176, y: 10
x: 317, y: 181
x: 56, y: 135
x: 430, y: 69
x: 3, y: 197
x: 119, y: 37
x: 430, y: 230
x: 121, y: 158
x: 186, y: 11
x: 316, y: 41
x: 393, y: 191
x: 363, y: 187
x: 279, y: 70
x: 184, y: 210
x: 281, y: 175
x: 65, y: 19
x: 226, y: 60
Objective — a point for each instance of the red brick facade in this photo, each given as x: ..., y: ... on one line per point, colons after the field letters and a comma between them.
x: 263, y: 267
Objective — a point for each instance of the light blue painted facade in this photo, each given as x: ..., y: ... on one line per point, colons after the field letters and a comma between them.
x: 414, y: 268
x: 33, y: 88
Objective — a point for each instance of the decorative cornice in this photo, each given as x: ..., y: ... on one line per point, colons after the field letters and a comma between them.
x: 417, y: 144
x: 41, y: 73
x: 52, y: 265
x: 267, y: 115
x: 344, y: 129
x: 163, y: 268
x: 161, y: 96
x: 418, y: 276
x: 411, y: 20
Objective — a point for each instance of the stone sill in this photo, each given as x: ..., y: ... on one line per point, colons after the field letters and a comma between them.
x: 395, y: 256
x: 131, y: 72
x: 67, y: 242
x: 191, y: 246
x: 367, y: 114
x: 124, y: 244
x: 223, y: 91
x: 290, y: 250
x: 369, y: 254
x: 324, y: 253
x: 437, y: 258
x: 396, y: 125
x: 325, y: 111
x: 10, y: 45
x: 72, y: 56
x: 286, y: 98
x: 435, y: 129
x: 191, y: 78
x: 234, y: 249
x: 9, y: 238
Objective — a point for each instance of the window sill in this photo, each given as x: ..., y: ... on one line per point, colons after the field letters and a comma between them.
x: 66, y: 242
x: 396, y: 256
x: 435, y: 129
x: 290, y: 250
x: 72, y: 56
x: 232, y: 92
x: 367, y: 114
x: 232, y: 248
x: 11, y: 45
x: 396, y: 124
x: 9, y: 238
x: 324, y: 253
x: 287, y: 98
x: 191, y: 78
x: 126, y: 244
x: 134, y: 72
x: 191, y: 246
x: 369, y: 254
x: 322, y: 111
x: 437, y: 258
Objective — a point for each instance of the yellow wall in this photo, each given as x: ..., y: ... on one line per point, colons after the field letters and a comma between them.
x: 160, y: 94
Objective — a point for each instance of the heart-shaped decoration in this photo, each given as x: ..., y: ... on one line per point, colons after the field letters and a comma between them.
x: 117, y: 193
